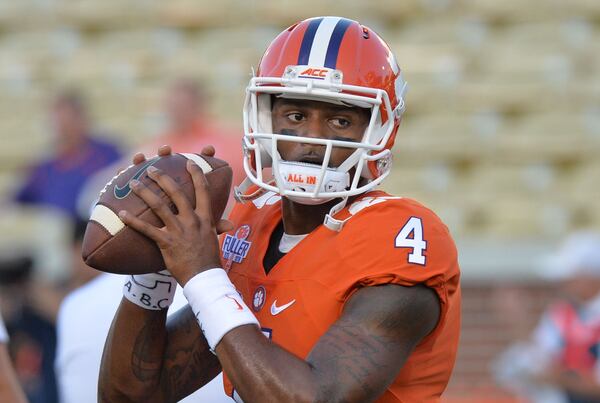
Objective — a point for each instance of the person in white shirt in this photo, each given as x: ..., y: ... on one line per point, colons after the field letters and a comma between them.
x: 10, y: 390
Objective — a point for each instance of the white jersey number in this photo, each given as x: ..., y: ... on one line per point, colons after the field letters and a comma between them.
x: 411, y: 236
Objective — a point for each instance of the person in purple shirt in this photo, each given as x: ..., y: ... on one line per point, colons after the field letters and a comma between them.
x: 58, y: 180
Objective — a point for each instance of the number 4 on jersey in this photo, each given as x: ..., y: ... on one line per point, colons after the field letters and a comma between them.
x: 411, y: 236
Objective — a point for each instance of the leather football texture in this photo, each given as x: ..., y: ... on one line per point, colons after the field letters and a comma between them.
x: 111, y: 246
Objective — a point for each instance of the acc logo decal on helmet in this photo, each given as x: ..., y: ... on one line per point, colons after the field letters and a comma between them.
x: 314, y: 73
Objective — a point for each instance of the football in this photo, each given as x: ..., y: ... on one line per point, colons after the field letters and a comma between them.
x: 110, y: 246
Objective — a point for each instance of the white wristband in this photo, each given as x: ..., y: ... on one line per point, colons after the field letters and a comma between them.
x: 153, y: 291
x: 217, y: 305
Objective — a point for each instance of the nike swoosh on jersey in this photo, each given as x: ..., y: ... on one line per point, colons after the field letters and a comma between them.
x: 122, y: 192
x: 276, y: 310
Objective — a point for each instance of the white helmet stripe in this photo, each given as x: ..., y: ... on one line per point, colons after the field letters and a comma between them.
x: 320, y: 44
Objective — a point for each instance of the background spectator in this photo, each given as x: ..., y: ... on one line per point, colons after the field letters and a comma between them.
x: 190, y: 127
x: 32, y: 332
x: 77, y: 155
x: 561, y: 362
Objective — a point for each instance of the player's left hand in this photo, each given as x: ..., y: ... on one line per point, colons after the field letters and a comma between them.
x: 188, y: 241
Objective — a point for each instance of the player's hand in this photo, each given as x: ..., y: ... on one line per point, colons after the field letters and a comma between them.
x: 162, y: 151
x: 165, y: 150
x: 188, y: 241
x: 208, y: 151
x: 139, y: 158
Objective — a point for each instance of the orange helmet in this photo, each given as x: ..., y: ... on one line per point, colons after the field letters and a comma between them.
x: 327, y: 59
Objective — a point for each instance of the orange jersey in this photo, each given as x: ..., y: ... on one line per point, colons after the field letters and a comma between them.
x: 386, y: 240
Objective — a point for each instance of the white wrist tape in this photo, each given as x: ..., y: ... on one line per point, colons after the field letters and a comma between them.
x: 217, y: 305
x: 153, y: 291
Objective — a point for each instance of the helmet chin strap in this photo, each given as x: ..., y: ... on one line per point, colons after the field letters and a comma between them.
x: 240, y: 192
x: 333, y: 223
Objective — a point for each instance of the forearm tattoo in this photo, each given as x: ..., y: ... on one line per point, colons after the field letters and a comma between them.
x: 189, y: 363
x: 352, y: 359
x: 145, y: 362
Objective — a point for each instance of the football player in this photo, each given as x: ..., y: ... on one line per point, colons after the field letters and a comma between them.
x: 321, y: 287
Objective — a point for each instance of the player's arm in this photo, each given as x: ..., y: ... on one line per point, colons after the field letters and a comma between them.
x: 144, y: 358
x: 355, y: 361
x: 147, y: 356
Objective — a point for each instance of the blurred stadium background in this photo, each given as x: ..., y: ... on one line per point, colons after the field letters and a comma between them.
x: 501, y: 136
